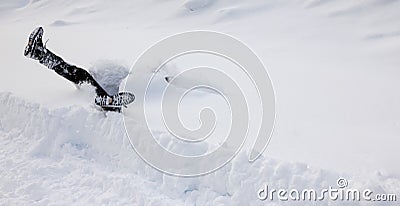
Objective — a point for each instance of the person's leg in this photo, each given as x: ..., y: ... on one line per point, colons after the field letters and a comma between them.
x: 72, y: 73
x: 36, y: 50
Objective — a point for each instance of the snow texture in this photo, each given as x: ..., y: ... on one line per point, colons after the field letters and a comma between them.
x: 110, y: 74
x: 334, y: 65
x: 75, y: 155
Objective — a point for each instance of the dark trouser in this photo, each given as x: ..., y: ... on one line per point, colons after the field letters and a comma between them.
x: 72, y: 73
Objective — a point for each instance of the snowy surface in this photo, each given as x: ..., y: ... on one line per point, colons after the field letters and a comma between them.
x: 334, y: 66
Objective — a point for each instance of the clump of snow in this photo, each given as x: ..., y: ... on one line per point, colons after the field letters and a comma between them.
x: 109, y: 74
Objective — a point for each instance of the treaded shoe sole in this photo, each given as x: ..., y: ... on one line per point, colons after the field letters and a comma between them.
x: 118, y: 100
x: 123, y: 99
x: 33, y: 38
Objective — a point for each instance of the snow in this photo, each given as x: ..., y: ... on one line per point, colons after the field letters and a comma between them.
x: 75, y: 155
x: 110, y: 74
x: 334, y: 66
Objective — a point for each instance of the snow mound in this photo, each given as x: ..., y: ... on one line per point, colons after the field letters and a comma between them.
x: 60, y: 23
x: 195, y: 5
x: 78, y: 155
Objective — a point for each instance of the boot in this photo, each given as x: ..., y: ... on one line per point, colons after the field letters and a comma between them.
x: 118, y: 100
x: 36, y: 50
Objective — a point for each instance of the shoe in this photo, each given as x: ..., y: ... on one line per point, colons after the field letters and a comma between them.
x: 35, y: 48
x: 118, y: 100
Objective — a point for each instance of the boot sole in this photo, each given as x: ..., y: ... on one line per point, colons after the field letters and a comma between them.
x: 124, y: 99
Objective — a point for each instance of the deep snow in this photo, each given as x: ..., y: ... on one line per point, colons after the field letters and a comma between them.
x: 75, y: 155
x: 334, y: 65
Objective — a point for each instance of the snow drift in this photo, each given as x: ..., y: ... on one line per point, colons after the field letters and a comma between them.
x: 76, y: 154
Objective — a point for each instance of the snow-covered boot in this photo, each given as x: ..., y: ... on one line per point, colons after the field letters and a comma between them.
x: 35, y: 48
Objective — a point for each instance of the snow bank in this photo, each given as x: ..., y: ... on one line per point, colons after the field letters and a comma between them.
x: 78, y: 155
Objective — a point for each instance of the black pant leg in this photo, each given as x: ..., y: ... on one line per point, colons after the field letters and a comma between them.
x: 78, y: 76
x: 70, y: 72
